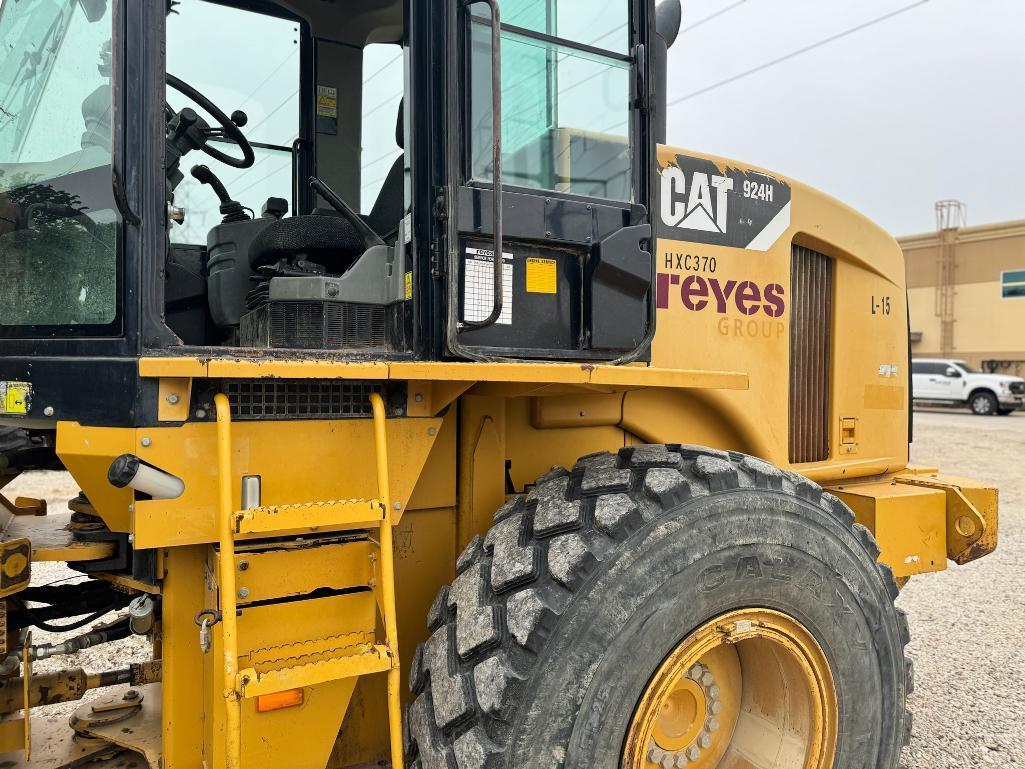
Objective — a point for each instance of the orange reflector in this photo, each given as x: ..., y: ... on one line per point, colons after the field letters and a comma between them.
x: 278, y: 700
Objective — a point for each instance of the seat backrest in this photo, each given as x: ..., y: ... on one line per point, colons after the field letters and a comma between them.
x: 390, y: 206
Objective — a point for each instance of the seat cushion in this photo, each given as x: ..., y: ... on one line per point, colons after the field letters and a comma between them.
x: 328, y: 240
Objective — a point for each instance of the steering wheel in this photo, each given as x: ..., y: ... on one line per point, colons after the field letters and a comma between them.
x: 228, y: 129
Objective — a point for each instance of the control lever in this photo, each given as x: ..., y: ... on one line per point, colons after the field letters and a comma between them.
x: 370, y: 237
x: 231, y: 210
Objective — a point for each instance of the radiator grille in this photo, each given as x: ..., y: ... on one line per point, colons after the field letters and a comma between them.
x: 811, y: 321
x: 299, y: 398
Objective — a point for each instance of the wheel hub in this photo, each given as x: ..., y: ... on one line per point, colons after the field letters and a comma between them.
x: 688, y: 720
x: 749, y: 689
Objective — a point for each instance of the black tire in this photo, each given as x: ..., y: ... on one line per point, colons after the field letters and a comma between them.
x: 557, y: 619
x: 984, y: 404
x: 14, y: 439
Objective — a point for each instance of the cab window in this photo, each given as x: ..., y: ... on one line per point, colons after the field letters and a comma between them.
x: 241, y: 61
x: 565, y: 97
x: 59, y: 232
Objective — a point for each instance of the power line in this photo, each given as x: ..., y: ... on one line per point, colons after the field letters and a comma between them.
x: 273, y: 72
x: 711, y: 16
x: 382, y: 68
x: 793, y: 54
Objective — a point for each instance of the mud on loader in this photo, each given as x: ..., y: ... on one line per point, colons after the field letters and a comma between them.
x: 599, y: 444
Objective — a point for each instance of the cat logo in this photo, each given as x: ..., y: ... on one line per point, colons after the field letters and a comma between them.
x: 703, y: 207
x: 707, y: 202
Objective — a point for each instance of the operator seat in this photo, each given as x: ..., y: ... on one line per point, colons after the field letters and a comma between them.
x: 322, y: 237
x: 390, y: 206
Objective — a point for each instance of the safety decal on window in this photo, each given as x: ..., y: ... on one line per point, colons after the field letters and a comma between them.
x: 479, y: 286
x: 702, y: 202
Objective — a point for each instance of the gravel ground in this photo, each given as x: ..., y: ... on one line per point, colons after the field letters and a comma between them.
x: 966, y: 622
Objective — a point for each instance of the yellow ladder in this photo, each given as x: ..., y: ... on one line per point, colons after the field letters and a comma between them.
x: 361, y: 513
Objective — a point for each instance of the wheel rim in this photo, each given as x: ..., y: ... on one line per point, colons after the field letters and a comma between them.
x: 752, y: 688
x: 982, y: 405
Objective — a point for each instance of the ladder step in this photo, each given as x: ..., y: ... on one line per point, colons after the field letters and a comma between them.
x: 376, y: 659
x: 356, y: 513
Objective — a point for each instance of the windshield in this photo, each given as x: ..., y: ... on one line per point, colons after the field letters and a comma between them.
x: 58, y: 228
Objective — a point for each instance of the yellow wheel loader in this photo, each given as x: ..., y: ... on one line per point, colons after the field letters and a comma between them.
x: 429, y: 411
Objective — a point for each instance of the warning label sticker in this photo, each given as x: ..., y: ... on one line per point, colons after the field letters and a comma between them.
x: 542, y: 276
x: 15, y: 397
x: 479, y: 286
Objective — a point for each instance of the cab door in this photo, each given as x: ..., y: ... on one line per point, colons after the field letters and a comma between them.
x: 576, y: 265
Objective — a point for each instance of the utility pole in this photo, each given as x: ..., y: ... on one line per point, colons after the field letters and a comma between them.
x: 951, y: 216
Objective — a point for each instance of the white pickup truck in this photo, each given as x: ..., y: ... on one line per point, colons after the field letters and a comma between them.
x: 954, y: 382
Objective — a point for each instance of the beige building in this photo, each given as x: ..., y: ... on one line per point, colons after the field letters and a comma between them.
x: 966, y: 294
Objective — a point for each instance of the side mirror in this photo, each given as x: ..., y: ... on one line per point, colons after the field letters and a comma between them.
x: 952, y: 373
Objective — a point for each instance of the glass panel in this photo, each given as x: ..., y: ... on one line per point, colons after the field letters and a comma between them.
x: 565, y: 117
x: 240, y: 61
x: 58, y: 226
x: 1012, y: 284
x: 383, y: 82
x: 602, y: 24
x: 270, y: 176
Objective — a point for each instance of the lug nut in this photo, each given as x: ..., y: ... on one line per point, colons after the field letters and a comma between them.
x: 712, y: 724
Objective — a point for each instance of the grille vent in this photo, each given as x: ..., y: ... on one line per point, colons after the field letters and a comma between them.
x: 811, y: 322
x: 299, y: 398
x: 309, y: 325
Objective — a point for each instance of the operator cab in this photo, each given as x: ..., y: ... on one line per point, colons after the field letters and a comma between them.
x: 332, y: 177
x: 284, y: 235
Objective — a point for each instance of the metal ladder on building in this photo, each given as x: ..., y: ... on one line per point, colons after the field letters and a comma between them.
x: 267, y: 521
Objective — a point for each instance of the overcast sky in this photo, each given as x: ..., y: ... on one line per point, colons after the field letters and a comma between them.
x: 927, y: 105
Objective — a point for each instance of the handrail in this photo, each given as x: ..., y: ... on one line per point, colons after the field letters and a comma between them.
x: 388, y: 581
x: 226, y: 578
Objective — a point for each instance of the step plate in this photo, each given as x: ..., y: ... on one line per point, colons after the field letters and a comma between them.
x: 376, y: 659
x: 352, y: 513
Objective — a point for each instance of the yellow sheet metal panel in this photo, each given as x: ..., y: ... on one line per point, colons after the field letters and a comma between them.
x: 292, y: 569
x: 972, y: 513
x: 724, y: 307
x: 184, y: 687
x: 299, y: 461
x: 280, y: 635
x: 576, y: 411
x: 185, y: 367
x: 173, y: 397
x: 87, y: 453
x: 436, y: 486
x: 908, y: 522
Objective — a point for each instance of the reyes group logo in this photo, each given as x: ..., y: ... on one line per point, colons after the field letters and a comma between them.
x: 702, y: 203
x: 697, y: 292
